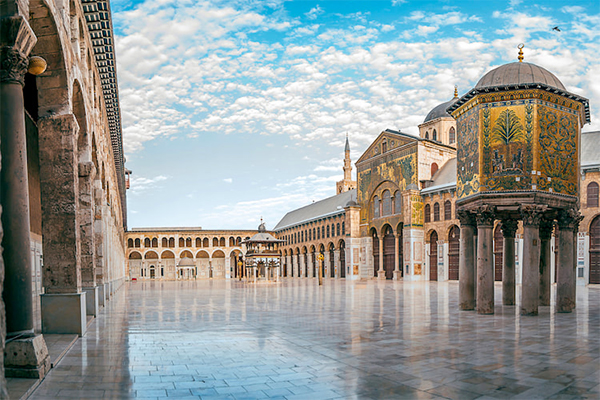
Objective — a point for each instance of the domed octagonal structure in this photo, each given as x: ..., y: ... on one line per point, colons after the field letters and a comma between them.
x: 518, y: 154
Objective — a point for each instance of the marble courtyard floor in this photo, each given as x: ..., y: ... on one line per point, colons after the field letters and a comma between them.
x: 345, y: 340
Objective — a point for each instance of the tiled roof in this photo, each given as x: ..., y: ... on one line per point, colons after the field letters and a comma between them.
x: 329, y: 206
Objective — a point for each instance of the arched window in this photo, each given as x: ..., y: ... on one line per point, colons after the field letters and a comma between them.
x: 165, y: 242
x: 231, y: 242
x: 238, y: 241
x: 434, y: 169
x: 327, y: 230
x: 147, y: 242
x: 397, y: 202
x: 188, y: 242
x: 215, y: 242
x: 448, y: 210
x: 343, y: 228
x: 434, y: 135
x: 436, y: 212
x: 452, y: 135
x: 384, y: 147
x: 332, y: 230
x: 172, y: 242
x: 205, y: 242
x: 592, y: 195
x: 222, y: 242
x: 181, y: 242
x: 198, y: 242
x: 310, y: 234
x: 426, y: 135
x: 314, y: 237
x: 387, y: 203
x: 129, y: 242
x: 376, y: 207
x: 318, y: 233
x: 427, y: 213
x: 154, y: 242
x: 323, y: 232
x: 337, y: 229
x: 302, y: 236
x: 137, y: 243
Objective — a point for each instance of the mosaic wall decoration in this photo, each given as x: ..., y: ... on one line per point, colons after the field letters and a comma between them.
x: 399, y: 168
x: 558, y: 151
x: 507, y: 147
x: 416, y: 211
x: 467, y: 154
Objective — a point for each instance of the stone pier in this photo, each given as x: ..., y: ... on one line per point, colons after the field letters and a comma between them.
x: 532, y: 216
x: 546, y: 226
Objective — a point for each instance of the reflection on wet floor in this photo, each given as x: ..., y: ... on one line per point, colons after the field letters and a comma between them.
x: 344, y: 340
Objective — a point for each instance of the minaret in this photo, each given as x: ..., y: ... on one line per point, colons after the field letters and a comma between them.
x: 347, y: 183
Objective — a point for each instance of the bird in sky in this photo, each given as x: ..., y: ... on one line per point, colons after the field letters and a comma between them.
x: 556, y: 29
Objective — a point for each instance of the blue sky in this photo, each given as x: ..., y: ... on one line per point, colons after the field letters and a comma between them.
x: 233, y: 110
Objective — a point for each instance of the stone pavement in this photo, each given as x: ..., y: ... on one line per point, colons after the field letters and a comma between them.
x: 345, y: 340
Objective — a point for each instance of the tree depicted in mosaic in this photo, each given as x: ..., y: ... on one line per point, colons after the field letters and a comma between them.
x: 507, y: 130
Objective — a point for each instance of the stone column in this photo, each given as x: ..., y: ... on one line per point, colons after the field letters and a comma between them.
x: 87, y: 172
x: 397, y: 273
x: 509, y: 228
x: 326, y: 264
x: 565, y: 280
x: 380, y: 271
x: 531, y: 216
x: 26, y: 355
x: 485, y: 259
x: 64, y: 303
x: 99, y: 260
x: 466, y: 266
x: 546, y: 226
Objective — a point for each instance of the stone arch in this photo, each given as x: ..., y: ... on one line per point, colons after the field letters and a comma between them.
x: 135, y: 255
x: 342, y: 250
x: 453, y: 252
x: 202, y: 254
x: 218, y: 254
x: 151, y: 255
x: 53, y: 85
x: 186, y: 254
x: 433, y: 255
x: 434, y: 169
x: 167, y: 254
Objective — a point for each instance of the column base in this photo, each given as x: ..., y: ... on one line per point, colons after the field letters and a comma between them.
x: 27, y: 358
x: 397, y: 276
x: 91, y: 300
x: 381, y: 275
x: 101, y: 295
x: 107, y: 291
x: 64, y: 313
x: 467, y: 306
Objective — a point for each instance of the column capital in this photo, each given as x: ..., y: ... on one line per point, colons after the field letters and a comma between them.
x: 532, y: 214
x: 569, y: 219
x: 546, y: 226
x: 509, y: 228
x: 486, y: 215
x: 16, y: 41
x: 466, y: 217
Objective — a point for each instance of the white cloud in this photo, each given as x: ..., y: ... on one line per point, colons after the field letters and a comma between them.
x: 314, y: 12
x: 228, y: 180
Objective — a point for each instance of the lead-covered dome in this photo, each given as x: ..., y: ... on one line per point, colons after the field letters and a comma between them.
x: 519, y: 73
x: 439, y: 111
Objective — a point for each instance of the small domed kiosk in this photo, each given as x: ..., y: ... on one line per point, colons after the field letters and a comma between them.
x: 262, y: 256
x: 518, y: 133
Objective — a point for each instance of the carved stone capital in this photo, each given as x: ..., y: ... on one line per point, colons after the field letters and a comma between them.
x: 13, y: 66
x: 466, y: 217
x: 569, y: 219
x: 532, y: 214
x: 486, y: 215
x: 509, y: 228
x: 546, y: 226
x: 16, y: 41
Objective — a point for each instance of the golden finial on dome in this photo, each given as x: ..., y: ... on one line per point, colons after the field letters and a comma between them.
x: 520, y: 47
x: 455, y: 91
